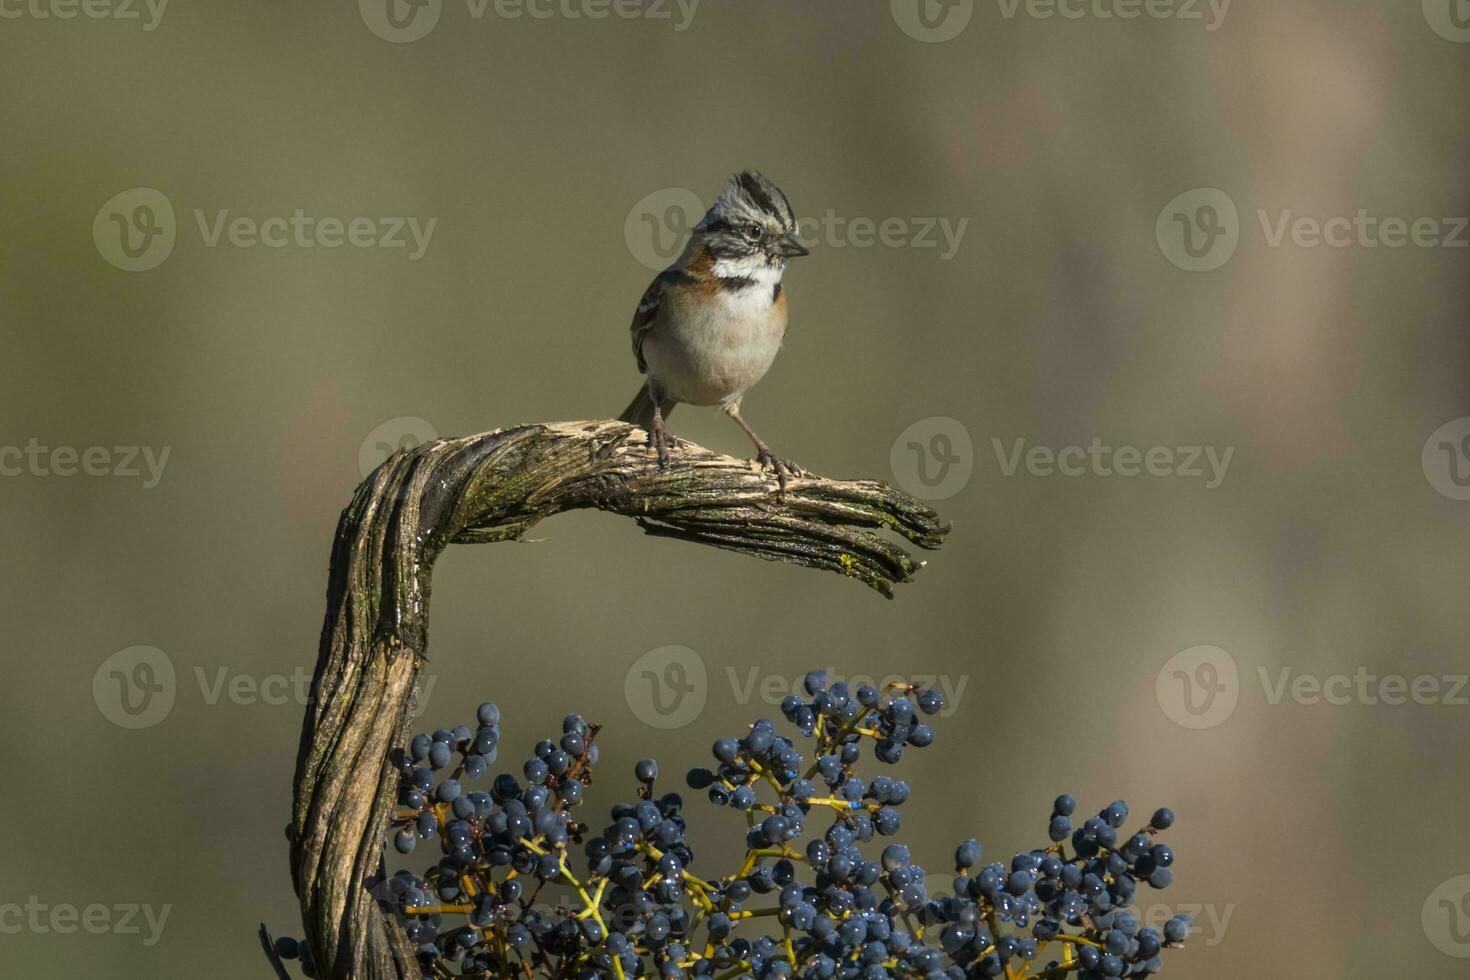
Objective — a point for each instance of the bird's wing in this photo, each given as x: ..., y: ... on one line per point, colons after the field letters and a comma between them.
x: 648, y: 309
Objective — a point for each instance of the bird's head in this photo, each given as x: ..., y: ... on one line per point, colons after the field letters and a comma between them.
x: 751, y: 230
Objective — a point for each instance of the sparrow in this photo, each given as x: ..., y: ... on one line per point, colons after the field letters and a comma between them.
x: 710, y: 325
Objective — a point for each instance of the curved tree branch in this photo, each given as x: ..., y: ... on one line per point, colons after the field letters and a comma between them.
x: 493, y: 487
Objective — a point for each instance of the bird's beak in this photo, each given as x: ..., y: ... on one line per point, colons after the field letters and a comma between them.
x: 790, y: 248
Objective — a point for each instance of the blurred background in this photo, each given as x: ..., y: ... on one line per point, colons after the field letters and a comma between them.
x: 1162, y: 305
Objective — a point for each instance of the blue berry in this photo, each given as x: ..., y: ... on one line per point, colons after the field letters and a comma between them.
x: 848, y: 910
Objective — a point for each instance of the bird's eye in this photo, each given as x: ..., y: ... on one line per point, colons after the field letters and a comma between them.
x: 754, y: 232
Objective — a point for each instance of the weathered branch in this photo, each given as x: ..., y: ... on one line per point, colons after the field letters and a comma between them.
x: 493, y: 487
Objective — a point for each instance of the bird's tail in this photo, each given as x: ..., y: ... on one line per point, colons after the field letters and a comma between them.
x: 640, y: 410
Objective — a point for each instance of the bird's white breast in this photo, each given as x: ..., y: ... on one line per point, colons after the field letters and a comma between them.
x: 710, y: 351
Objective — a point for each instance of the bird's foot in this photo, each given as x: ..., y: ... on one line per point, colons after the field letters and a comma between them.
x: 659, y: 440
x: 784, y: 468
x: 602, y: 452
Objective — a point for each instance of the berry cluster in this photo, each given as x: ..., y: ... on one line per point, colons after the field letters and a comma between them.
x: 523, y: 889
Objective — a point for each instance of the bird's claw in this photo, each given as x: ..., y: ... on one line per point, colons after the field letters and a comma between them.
x: 784, y: 468
x: 659, y: 441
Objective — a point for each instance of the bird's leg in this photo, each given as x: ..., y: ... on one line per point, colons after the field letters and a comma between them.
x: 659, y: 435
x: 783, y: 467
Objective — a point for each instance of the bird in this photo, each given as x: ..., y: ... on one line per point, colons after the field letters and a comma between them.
x: 709, y: 326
